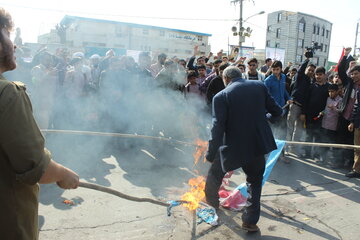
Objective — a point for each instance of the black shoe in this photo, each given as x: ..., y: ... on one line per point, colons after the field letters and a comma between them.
x: 352, y: 174
x: 250, y: 227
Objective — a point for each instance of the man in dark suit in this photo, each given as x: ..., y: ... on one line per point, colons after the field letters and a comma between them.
x: 240, y: 137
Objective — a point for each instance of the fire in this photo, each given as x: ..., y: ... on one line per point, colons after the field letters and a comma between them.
x: 196, y: 193
x: 201, y: 147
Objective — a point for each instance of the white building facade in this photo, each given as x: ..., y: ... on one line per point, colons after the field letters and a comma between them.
x: 80, y: 32
x: 294, y: 31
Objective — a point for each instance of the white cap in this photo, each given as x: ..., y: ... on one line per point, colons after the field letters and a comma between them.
x: 79, y: 55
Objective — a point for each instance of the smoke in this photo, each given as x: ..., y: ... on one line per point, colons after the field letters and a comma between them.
x: 124, y: 100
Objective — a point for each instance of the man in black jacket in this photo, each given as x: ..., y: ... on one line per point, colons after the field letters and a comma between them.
x: 315, y: 103
x: 216, y: 85
x: 299, y: 92
x: 351, y: 87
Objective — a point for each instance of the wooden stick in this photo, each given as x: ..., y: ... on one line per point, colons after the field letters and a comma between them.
x: 120, y: 194
x: 346, y: 146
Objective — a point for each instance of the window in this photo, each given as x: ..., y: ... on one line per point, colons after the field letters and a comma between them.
x: 318, y: 30
x: 298, y: 58
x: 325, y: 48
x: 327, y: 33
x: 301, y: 43
x: 146, y: 31
x: 269, y: 28
x: 268, y: 43
x: 317, y: 61
x: 323, y: 31
x: 322, y: 47
x: 324, y: 62
x: 200, y: 38
x: 279, y: 17
x: 301, y: 27
x: 314, y: 29
x: 162, y: 33
x: 277, y: 45
x: 278, y: 32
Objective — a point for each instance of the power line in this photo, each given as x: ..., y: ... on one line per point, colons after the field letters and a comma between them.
x: 115, y: 15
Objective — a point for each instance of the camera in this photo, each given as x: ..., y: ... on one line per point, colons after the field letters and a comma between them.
x: 310, y: 51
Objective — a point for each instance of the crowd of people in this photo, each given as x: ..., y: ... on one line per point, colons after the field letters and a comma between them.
x: 319, y: 105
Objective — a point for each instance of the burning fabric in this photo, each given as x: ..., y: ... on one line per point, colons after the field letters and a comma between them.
x: 237, y: 198
x: 193, y: 199
x: 196, y: 193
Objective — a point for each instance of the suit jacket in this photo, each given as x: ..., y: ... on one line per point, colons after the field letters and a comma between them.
x: 240, y: 128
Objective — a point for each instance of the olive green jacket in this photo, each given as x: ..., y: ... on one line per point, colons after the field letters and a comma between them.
x: 23, y: 160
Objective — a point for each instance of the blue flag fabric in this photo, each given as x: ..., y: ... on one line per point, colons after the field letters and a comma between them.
x: 270, y: 163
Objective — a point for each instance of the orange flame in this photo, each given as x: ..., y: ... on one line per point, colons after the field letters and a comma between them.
x: 201, y: 147
x: 196, y: 193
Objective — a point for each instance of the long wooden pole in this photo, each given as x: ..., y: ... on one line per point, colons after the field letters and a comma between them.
x: 125, y: 135
x: 120, y: 194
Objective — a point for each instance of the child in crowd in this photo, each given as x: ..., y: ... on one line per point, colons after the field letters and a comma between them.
x: 330, y: 119
x: 192, y: 87
x: 201, y: 69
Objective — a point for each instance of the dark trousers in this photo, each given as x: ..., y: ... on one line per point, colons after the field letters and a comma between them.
x: 254, y: 171
x: 313, y: 134
x: 345, y: 137
x: 329, y: 136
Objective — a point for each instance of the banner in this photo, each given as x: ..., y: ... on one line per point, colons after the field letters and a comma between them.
x: 275, y: 54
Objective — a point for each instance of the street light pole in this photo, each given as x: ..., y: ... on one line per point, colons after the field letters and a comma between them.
x: 240, y: 28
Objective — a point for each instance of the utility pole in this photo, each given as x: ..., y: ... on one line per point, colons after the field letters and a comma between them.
x: 240, y: 28
x: 242, y: 32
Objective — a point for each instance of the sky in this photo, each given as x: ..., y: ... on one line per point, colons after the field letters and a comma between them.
x: 39, y: 16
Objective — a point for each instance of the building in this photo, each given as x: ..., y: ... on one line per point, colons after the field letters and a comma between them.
x: 88, y: 33
x: 294, y: 31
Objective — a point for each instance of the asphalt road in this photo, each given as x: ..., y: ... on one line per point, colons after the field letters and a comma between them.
x: 301, y: 200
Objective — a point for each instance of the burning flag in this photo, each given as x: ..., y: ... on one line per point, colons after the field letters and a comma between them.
x: 193, y: 199
x: 196, y: 193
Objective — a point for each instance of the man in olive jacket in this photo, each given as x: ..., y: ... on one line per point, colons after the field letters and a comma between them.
x: 24, y: 162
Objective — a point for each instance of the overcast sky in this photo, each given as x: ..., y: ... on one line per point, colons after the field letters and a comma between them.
x: 39, y: 16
